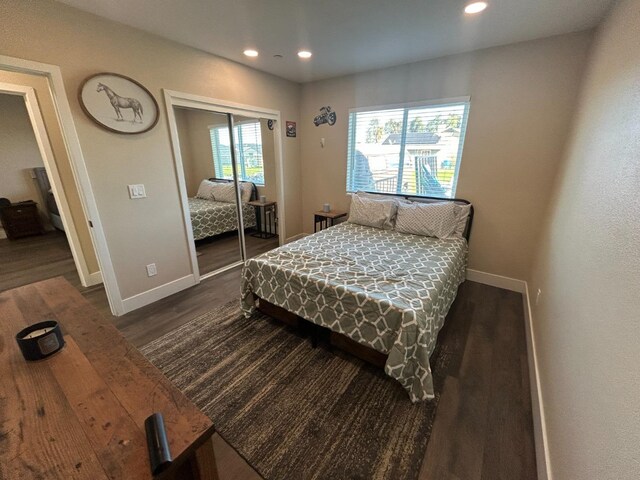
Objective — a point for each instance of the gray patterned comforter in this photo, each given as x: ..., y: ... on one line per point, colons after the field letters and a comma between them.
x: 387, y: 290
x: 209, y: 218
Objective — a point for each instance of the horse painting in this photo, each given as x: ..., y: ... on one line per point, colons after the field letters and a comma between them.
x: 118, y: 102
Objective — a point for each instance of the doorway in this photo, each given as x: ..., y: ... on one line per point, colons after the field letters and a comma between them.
x: 34, y: 231
x: 53, y: 125
x: 228, y: 164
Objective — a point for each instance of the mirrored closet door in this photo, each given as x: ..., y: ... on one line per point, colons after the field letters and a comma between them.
x: 207, y: 162
x: 256, y: 166
x: 229, y: 170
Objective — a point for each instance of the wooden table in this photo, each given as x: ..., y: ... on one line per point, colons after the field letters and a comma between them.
x: 326, y: 219
x: 80, y: 413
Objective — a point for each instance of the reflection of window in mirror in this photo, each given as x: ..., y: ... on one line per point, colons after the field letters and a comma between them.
x: 248, y: 138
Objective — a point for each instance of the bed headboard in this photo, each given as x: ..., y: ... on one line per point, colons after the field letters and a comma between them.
x: 460, y: 201
x: 254, y: 189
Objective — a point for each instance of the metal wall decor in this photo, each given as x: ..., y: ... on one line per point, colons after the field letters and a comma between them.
x: 291, y: 129
x: 327, y: 116
x: 118, y: 103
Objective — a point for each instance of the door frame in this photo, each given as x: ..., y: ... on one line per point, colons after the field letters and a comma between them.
x: 55, y: 83
x: 173, y: 99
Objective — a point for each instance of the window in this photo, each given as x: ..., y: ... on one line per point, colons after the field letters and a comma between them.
x: 414, y: 150
x: 248, y: 139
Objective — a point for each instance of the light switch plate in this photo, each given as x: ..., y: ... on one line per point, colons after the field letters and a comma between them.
x: 137, y: 191
x: 152, y: 270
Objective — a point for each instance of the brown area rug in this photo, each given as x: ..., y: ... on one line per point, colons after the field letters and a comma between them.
x: 292, y: 411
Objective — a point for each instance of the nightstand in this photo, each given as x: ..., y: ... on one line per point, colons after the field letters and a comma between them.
x: 266, y: 219
x: 326, y: 219
x: 21, y: 219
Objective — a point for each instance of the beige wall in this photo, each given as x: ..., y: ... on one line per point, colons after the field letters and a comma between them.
x: 522, y: 99
x: 587, y: 322
x: 140, y: 232
x: 19, y: 153
x: 195, y: 145
x: 61, y: 155
x: 182, y: 125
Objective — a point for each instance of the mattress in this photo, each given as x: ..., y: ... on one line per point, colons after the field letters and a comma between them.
x: 387, y: 290
x: 209, y: 218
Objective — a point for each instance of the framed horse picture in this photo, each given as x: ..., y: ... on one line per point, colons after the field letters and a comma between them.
x: 118, y: 103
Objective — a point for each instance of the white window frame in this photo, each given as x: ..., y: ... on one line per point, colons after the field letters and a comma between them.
x: 217, y: 163
x: 444, y: 102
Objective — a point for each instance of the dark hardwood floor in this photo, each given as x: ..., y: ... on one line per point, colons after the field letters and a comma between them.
x: 483, y: 427
x: 38, y: 257
x: 221, y: 250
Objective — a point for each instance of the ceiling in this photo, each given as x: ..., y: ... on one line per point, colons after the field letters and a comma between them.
x: 345, y: 36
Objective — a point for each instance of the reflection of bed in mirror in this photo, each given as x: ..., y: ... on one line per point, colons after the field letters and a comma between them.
x: 213, y: 215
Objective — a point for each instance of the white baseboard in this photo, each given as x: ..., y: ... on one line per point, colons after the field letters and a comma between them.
x: 296, y: 237
x: 537, y: 406
x: 499, y: 281
x: 94, y: 278
x: 155, y: 294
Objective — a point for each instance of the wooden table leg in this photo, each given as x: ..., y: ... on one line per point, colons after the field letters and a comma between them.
x: 204, y: 462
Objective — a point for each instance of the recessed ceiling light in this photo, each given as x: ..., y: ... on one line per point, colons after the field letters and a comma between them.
x: 251, y: 53
x: 304, y: 54
x: 475, y: 7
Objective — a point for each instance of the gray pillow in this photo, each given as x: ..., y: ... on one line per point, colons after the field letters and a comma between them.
x: 427, y: 219
x: 205, y: 190
x: 224, y: 192
x: 246, y: 189
x: 382, y: 196
x: 372, y: 212
x: 462, y: 214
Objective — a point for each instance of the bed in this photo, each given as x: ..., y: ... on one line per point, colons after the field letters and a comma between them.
x: 387, y: 291
x: 211, y: 217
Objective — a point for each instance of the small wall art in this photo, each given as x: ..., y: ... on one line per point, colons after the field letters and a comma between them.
x: 327, y: 116
x: 291, y: 129
x: 118, y: 103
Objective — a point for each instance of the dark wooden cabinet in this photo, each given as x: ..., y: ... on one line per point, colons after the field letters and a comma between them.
x: 21, y: 220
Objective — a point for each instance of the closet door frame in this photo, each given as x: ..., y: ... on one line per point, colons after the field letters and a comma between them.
x: 186, y: 100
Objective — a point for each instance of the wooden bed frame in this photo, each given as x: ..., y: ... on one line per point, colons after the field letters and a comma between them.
x: 338, y: 340
x: 317, y: 332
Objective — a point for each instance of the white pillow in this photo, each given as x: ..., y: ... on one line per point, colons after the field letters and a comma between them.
x: 205, y: 190
x: 224, y: 192
x: 427, y: 219
x: 372, y: 213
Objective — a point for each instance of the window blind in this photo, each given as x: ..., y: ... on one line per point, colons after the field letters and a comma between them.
x: 413, y: 150
x: 248, y: 139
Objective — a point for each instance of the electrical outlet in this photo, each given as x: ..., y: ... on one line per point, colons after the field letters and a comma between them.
x: 152, y: 270
x: 538, y: 296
